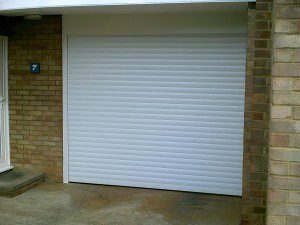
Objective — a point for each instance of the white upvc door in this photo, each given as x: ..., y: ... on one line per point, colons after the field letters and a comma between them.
x: 4, y: 127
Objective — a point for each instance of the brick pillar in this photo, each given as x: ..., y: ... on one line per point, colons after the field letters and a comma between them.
x: 35, y: 100
x: 257, y: 114
x: 284, y: 158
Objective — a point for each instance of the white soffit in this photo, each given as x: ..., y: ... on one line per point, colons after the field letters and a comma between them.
x: 74, y: 7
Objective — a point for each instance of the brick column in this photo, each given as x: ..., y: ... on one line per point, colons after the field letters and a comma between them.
x: 35, y: 100
x: 257, y: 114
x: 284, y: 158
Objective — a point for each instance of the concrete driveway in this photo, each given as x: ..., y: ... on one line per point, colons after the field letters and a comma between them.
x: 80, y: 204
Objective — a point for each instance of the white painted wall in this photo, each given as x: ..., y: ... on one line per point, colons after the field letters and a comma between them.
x: 155, y: 24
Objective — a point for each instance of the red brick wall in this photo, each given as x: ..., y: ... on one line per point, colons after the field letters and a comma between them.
x: 257, y: 114
x: 35, y: 100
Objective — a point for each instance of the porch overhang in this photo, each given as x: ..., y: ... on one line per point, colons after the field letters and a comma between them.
x: 74, y: 7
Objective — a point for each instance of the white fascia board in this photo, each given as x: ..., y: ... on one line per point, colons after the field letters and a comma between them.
x: 8, y: 5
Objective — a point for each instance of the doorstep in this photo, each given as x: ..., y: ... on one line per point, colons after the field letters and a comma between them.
x: 15, y: 182
x: 5, y: 168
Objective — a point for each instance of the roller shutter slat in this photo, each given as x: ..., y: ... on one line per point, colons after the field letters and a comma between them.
x: 157, y: 112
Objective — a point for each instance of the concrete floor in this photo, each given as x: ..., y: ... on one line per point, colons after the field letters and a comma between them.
x: 80, y: 204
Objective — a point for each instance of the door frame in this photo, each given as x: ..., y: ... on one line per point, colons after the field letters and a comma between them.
x: 5, y: 146
x: 65, y: 107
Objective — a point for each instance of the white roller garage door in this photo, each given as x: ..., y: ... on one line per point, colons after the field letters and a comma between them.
x: 160, y: 112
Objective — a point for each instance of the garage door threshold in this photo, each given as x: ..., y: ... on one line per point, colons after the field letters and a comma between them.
x: 15, y: 182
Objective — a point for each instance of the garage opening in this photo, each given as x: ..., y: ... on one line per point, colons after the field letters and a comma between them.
x: 160, y: 112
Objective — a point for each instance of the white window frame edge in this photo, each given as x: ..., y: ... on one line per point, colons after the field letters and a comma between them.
x: 65, y: 105
x: 5, y: 126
